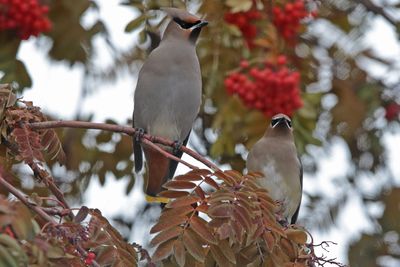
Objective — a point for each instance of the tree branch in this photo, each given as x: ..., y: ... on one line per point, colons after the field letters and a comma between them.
x: 129, y: 131
x: 24, y: 199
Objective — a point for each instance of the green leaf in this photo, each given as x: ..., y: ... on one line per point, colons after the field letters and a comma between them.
x: 135, y: 23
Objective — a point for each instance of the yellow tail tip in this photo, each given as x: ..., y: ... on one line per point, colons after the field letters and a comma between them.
x: 152, y: 199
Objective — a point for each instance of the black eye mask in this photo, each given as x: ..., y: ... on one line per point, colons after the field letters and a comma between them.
x: 184, y: 24
x: 274, y: 122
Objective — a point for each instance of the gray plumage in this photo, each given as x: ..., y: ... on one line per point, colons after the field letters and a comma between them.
x: 168, y: 93
x: 275, y: 156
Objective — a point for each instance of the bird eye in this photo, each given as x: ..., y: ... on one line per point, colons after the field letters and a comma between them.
x: 184, y: 24
x: 274, y: 122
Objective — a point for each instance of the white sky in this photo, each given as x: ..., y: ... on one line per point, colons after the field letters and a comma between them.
x: 56, y: 89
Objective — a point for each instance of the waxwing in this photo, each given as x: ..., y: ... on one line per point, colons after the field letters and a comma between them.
x: 275, y: 156
x: 168, y: 96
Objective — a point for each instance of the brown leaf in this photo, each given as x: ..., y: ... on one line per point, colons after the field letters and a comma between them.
x: 211, y: 182
x: 179, y: 185
x: 224, y: 177
x: 179, y: 253
x: 270, y: 240
x: 202, y: 172
x: 274, y: 226
x: 166, y: 213
x: 288, y: 248
x: 173, y: 194
x: 193, y: 245
x: 183, y: 201
x: 166, y: 235
x: 223, y: 210
x: 200, y: 226
x: 225, y: 231
x: 166, y: 223
x: 243, y: 215
x: 227, y: 250
x: 237, y: 176
x: 218, y: 256
x: 202, y: 208
x: 52, y: 145
x: 297, y: 236
x: 221, y: 196
x: 163, y: 251
x: 188, y: 177
x: 200, y: 192
x: 238, y: 229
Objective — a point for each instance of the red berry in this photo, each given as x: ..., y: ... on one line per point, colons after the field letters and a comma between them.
x: 26, y: 17
x: 392, y: 111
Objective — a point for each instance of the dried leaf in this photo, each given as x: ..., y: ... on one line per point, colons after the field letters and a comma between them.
x: 188, y: 177
x: 218, y: 256
x: 179, y: 253
x: 223, y: 210
x: 270, y: 240
x: 179, y: 185
x: 297, y: 236
x: 166, y: 213
x: 221, y: 196
x: 227, y: 251
x: 288, y: 248
x: 224, y: 177
x: 200, y: 226
x: 243, y: 216
x: 183, y: 201
x: 200, y: 192
x: 163, y: 251
x: 173, y: 194
x: 82, y: 214
x: 166, y: 223
x: 211, y: 182
x: 193, y: 245
x: 166, y: 235
x: 202, y: 208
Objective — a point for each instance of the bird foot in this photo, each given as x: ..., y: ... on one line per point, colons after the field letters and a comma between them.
x: 139, y: 132
x: 177, y: 147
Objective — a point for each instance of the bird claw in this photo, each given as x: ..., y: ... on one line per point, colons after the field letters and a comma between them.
x: 139, y: 132
x: 177, y: 146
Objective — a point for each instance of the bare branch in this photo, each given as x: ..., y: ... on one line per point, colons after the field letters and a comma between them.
x: 126, y: 130
x: 24, y: 199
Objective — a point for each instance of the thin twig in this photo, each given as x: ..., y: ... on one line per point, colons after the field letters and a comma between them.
x: 24, y: 199
x: 48, y: 180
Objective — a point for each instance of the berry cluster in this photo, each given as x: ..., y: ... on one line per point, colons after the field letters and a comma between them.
x: 243, y: 20
x: 287, y: 18
x: 270, y: 89
x: 26, y: 17
x: 392, y: 111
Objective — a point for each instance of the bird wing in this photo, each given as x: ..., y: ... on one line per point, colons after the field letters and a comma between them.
x: 137, y: 151
x: 296, y: 214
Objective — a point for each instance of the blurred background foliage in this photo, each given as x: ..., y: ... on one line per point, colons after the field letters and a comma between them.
x: 343, y: 100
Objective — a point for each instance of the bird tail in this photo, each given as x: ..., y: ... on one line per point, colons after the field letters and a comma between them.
x: 137, y: 151
x: 157, y: 173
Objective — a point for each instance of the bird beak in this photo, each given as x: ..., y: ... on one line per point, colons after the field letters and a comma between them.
x: 200, y: 25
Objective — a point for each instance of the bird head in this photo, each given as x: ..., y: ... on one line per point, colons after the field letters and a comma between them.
x: 281, y: 120
x: 281, y: 125
x: 183, y: 24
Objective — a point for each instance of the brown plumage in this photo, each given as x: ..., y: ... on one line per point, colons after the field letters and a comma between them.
x: 168, y: 94
x: 275, y: 156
